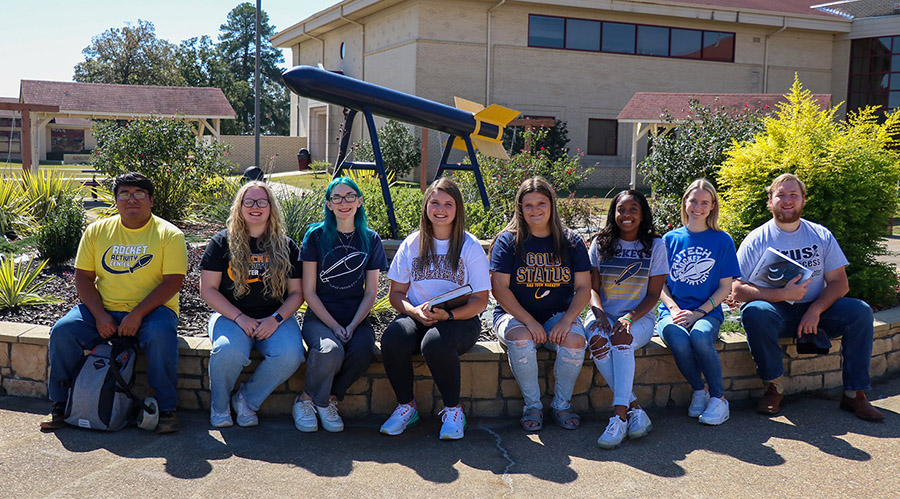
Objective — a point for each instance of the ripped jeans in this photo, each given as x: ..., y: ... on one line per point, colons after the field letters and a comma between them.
x: 523, y: 363
x: 616, y: 362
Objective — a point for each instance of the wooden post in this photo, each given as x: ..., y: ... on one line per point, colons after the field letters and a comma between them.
x: 25, y: 144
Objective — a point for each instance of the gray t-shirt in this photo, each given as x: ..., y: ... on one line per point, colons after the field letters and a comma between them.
x: 811, y: 244
x: 624, y: 277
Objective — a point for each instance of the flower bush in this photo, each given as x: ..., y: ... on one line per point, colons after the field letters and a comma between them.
x: 695, y: 149
x: 168, y: 152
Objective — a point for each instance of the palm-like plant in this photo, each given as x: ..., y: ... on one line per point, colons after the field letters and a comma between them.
x: 19, y: 283
x: 15, y: 208
x: 45, y: 190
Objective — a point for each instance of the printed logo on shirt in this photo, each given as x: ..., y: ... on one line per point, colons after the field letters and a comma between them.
x: 125, y: 259
x: 692, y: 265
x: 809, y: 256
x: 259, y: 263
x: 343, y: 272
x: 439, y: 268
x: 542, y: 271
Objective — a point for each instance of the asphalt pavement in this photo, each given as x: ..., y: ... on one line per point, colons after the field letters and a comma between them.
x: 811, y: 449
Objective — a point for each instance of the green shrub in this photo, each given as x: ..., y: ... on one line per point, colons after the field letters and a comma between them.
x: 407, y: 204
x: 212, y: 200
x: 15, y: 210
x: 400, y: 149
x: 695, y: 149
x: 168, y: 152
x: 851, y: 170
x: 300, y: 211
x: 19, y: 283
x: 45, y: 190
x: 485, y: 224
x: 554, y: 140
x: 58, y: 236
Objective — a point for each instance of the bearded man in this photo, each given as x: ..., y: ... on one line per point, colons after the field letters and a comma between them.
x: 811, y: 310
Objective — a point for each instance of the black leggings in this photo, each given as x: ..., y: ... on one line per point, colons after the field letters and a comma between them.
x: 440, y: 344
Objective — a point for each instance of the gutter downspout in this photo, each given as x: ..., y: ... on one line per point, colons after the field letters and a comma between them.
x: 363, y: 55
x: 766, y: 55
x: 315, y: 38
x: 487, y: 69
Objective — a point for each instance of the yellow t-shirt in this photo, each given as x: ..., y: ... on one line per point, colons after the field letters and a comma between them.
x: 130, y: 263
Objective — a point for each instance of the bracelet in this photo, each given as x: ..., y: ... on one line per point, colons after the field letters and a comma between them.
x: 713, y: 302
x: 701, y: 311
x: 236, y: 316
x: 627, y: 319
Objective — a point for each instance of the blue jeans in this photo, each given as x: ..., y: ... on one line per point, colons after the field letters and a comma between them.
x: 849, y: 318
x: 76, y: 332
x: 333, y: 366
x: 695, y: 351
x: 522, y: 356
x: 230, y: 354
x: 617, y: 365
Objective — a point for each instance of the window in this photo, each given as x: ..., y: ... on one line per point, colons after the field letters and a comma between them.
x: 582, y: 35
x: 642, y: 39
x: 546, y: 31
x: 874, y: 73
x: 718, y: 46
x: 618, y: 37
x: 653, y: 40
x: 602, y: 137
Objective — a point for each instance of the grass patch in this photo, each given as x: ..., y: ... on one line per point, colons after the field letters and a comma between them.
x: 312, y: 181
x: 18, y: 246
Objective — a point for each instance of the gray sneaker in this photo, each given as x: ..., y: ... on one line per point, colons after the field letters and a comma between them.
x: 698, y: 403
x: 220, y: 419
x: 331, y: 420
x: 638, y: 423
x: 245, y: 415
x: 716, y: 412
x: 304, y: 413
x: 614, y: 434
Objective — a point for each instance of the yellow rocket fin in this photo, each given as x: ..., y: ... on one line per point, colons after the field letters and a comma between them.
x: 467, y: 105
x: 489, y: 147
x: 497, y: 115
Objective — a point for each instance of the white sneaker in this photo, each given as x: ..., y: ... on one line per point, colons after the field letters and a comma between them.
x: 331, y: 420
x: 638, y: 423
x: 698, y: 403
x: 716, y: 412
x: 304, y: 413
x: 614, y: 434
x: 245, y: 415
x: 454, y: 423
x: 403, y: 417
x: 220, y: 419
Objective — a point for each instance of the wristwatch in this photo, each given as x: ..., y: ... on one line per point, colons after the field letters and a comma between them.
x: 450, y: 313
x: 278, y: 317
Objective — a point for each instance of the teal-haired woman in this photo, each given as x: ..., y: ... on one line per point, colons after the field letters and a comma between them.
x: 341, y: 261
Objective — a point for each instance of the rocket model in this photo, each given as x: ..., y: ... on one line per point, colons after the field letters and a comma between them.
x: 482, y: 125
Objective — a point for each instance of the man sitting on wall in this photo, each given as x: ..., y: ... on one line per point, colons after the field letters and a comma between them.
x: 128, y: 271
x: 811, y: 310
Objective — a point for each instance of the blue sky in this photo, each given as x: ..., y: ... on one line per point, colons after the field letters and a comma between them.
x: 43, y: 39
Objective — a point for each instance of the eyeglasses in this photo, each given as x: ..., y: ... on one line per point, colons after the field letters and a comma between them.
x: 136, y: 195
x: 250, y: 203
x: 338, y: 199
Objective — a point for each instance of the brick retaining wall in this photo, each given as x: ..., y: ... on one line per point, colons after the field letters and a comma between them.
x: 488, y: 387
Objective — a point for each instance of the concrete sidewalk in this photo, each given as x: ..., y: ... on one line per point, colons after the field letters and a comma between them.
x: 811, y: 449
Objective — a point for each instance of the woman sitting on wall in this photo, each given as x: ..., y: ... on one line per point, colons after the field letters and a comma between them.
x: 341, y: 260
x: 251, y: 279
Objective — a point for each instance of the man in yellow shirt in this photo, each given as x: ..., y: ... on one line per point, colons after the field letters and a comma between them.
x: 128, y: 271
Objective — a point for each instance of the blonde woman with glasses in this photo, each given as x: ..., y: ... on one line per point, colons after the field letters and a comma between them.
x: 250, y: 277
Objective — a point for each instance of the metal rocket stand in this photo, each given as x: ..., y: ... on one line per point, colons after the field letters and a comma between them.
x: 378, y: 166
x: 471, y: 167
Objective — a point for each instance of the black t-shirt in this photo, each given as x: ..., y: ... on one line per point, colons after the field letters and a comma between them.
x: 543, y: 285
x: 256, y: 303
x: 341, y: 279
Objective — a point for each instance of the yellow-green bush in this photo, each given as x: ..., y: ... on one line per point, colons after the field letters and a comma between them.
x: 851, y: 173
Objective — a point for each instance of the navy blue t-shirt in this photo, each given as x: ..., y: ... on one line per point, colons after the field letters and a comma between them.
x: 341, y: 270
x: 543, y: 285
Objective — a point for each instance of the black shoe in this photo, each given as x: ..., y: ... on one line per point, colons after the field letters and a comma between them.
x: 168, y: 422
x: 56, y: 419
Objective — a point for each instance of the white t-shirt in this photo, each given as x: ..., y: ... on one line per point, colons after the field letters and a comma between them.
x: 438, y: 277
x: 812, y: 245
x: 624, y: 277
